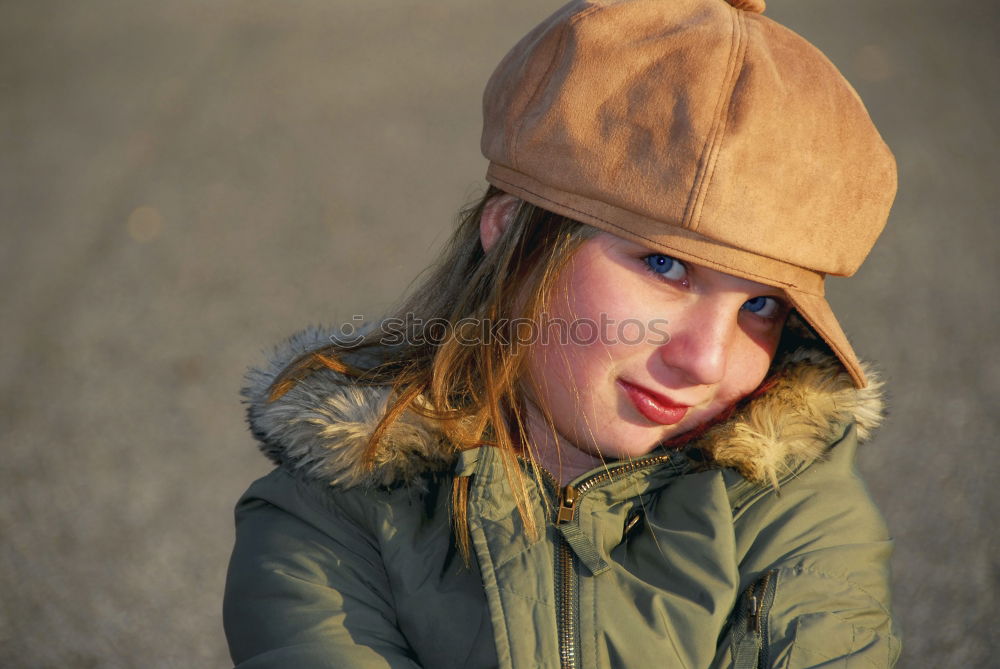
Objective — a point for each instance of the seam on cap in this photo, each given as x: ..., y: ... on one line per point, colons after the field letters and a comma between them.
x: 707, y: 161
x: 723, y: 122
x: 546, y: 76
x: 766, y: 279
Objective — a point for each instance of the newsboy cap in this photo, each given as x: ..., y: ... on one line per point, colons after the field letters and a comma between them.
x: 701, y: 129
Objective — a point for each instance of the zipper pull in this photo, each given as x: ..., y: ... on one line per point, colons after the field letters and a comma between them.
x: 567, y: 505
x: 753, y: 621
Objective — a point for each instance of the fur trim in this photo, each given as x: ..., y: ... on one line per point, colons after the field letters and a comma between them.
x: 321, y: 426
x: 810, y: 402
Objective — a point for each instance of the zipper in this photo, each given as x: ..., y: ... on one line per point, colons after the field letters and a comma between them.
x: 566, y: 595
x: 567, y: 571
x: 570, y: 495
x: 750, y: 645
x: 756, y: 604
x: 765, y: 597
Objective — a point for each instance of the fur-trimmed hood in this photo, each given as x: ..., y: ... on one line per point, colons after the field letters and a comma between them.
x: 321, y: 426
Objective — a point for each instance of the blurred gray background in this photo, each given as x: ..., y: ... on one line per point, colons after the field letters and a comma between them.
x: 183, y: 183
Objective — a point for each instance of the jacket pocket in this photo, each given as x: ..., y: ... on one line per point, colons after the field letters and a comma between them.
x: 749, y: 631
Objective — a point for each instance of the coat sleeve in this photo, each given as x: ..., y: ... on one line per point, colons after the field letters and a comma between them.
x: 306, y: 587
x: 818, y: 575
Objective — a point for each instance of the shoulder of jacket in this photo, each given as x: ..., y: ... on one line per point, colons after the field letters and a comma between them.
x: 285, y: 496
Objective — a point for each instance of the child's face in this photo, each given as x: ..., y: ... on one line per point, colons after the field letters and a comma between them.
x: 652, y: 348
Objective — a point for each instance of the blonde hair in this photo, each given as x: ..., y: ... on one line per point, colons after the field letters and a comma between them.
x: 472, y: 386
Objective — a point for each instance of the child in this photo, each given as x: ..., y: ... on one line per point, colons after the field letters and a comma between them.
x: 616, y: 425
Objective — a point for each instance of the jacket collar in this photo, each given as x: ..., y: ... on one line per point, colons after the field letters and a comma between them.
x: 320, y: 427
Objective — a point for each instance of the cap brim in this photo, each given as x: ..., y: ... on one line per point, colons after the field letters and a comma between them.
x: 816, y: 311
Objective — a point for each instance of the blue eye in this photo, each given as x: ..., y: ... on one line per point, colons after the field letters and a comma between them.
x: 765, y: 307
x: 666, y: 266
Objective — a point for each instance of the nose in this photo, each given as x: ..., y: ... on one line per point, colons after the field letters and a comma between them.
x: 700, y: 344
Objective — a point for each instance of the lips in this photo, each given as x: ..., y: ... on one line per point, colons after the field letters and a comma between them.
x: 654, y: 407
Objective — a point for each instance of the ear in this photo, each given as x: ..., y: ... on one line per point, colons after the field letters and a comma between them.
x: 497, y: 215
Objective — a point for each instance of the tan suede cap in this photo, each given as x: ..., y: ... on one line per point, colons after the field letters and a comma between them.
x: 699, y: 128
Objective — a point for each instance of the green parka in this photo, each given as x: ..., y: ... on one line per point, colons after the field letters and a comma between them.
x: 757, y: 546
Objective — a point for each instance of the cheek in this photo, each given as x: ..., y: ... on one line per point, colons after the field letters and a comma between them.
x: 749, y: 363
x: 571, y: 357
x: 571, y: 354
